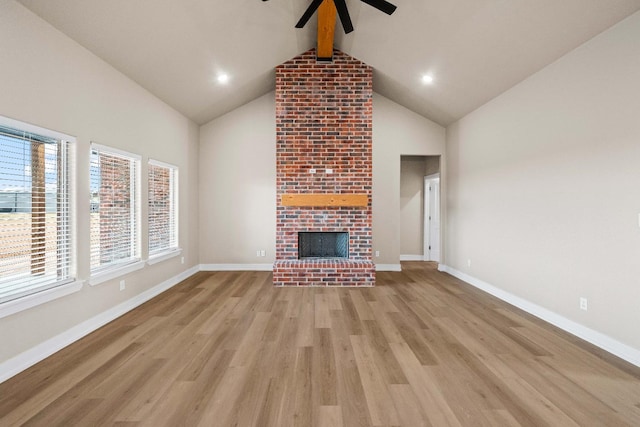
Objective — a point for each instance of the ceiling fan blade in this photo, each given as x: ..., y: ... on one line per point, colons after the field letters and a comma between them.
x: 343, y: 13
x: 382, y: 5
x: 315, y: 4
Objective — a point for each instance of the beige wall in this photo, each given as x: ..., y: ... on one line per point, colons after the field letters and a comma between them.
x: 544, y: 186
x: 396, y: 132
x: 238, y: 185
x: 50, y: 81
x: 432, y: 165
x: 237, y: 179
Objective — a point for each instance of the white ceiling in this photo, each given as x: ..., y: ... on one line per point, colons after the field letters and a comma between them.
x: 475, y: 49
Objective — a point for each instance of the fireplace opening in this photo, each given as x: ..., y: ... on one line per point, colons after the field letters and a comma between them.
x: 323, y: 245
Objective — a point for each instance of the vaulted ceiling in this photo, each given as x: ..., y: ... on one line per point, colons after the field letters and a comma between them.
x: 474, y: 49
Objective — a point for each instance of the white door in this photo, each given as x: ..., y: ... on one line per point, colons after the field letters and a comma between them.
x: 432, y: 218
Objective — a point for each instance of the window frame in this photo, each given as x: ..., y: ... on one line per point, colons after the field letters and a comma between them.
x: 171, y: 251
x: 70, y: 284
x: 116, y: 269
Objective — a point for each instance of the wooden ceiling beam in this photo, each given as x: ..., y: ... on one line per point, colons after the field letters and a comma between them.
x: 326, y: 30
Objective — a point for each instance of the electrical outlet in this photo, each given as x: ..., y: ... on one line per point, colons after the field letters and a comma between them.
x: 182, y: 260
x: 328, y: 171
x: 312, y: 170
x: 262, y: 253
x: 122, y: 285
x: 377, y: 254
x: 258, y: 252
x: 583, y: 304
x: 469, y: 263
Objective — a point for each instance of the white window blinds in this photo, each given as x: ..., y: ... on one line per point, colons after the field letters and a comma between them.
x: 115, y: 225
x: 163, y: 207
x: 35, y: 211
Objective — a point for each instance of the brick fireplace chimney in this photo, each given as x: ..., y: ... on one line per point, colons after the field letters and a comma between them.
x: 324, y: 167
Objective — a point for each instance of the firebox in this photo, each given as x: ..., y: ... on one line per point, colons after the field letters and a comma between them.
x: 323, y: 245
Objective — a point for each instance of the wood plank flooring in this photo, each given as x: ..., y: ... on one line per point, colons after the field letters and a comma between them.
x: 420, y: 349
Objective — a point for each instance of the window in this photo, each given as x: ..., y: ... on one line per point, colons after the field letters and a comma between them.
x: 115, y: 224
x: 35, y: 210
x: 163, y: 208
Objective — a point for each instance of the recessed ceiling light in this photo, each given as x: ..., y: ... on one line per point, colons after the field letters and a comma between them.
x: 223, y: 78
x: 427, y: 79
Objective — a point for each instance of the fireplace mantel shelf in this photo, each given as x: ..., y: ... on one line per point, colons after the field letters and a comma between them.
x: 318, y: 200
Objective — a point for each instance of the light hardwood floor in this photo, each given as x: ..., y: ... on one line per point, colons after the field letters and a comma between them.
x: 421, y: 348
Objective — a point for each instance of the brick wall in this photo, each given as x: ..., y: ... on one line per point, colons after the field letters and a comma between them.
x: 323, y: 121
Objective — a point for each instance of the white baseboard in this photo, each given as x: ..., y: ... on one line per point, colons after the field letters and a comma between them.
x: 269, y: 267
x: 388, y: 267
x: 236, y: 267
x: 411, y: 258
x: 605, y: 342
x: 45, y: 349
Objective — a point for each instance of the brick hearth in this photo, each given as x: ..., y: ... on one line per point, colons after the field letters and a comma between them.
x: 323, y: 122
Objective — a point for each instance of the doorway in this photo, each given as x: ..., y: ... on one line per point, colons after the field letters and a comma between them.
x: 419, y: 226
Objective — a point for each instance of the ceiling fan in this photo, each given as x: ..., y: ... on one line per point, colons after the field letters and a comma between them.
x: 343, y: 12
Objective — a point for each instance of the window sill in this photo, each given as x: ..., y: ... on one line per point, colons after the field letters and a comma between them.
x: 14, y: 306
x: 114, y: 272
x: 162, y: 256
